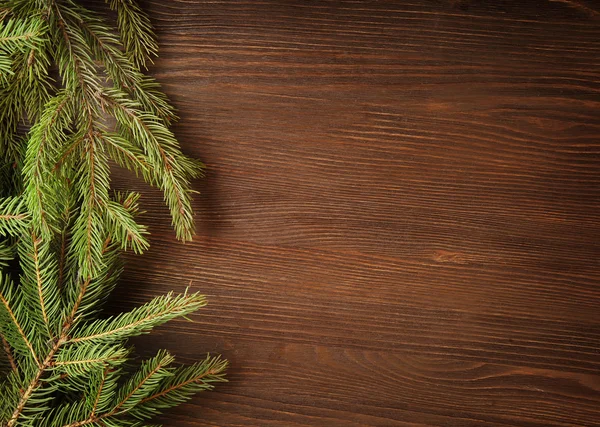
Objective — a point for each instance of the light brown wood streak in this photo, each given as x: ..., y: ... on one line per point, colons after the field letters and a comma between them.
x: 400, y: 220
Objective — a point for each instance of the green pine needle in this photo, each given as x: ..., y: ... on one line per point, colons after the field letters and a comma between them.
x: 74, y: 101
x: 58, y: 347
x: 102, y: 108
x: 14, y: 217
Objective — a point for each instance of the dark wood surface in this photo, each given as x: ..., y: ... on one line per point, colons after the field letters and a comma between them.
x: 400, y: 221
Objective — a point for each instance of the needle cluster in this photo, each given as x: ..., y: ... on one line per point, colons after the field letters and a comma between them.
x: 75, y: 101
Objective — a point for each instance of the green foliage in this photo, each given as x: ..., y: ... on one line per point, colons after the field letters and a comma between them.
x: 136, y: 31
x: 102, y: 108
x: 18, y: 36
x: 66, y: 364
x: 74, y: 101
x: 14, y: 218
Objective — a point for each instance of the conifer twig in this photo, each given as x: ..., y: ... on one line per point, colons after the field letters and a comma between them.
x: 33, y: 385
x: 19, y: 328
x: 9, y: 355
x: 63, y: 228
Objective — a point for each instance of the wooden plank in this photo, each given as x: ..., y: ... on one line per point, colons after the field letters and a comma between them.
x: 399, y: 225
x: 298, y: 384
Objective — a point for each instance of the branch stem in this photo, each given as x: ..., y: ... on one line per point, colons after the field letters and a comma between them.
x: 9, y: 355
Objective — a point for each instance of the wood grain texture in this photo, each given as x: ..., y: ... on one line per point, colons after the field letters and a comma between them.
x: 400, y: 220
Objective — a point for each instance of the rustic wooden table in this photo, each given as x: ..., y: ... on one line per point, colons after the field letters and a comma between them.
x: 400, y: 220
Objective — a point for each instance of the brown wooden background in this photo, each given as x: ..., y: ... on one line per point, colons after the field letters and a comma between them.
x: 400, y: 220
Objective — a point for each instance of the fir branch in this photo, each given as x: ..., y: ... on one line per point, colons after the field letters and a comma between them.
x: 85, y: 297
x: 98, y: 394
x: 69, y: 229
x: 38, y: 285
x: 181, y: 385
x: 92, y: 185
x: 24, y: 87
x: 65, y: 413
x: 76, y: 63
x: 33, y: 385
x: 46, y: 138
x: 126, y: 154
x: 18, y: 36
x: 12, y: 329
x: 143, y: 383
x: 126, y: 76
x: 71, y: 317
x: 140, y: 320
x: 136, y: 31
x: 171, y: 171
x: 118, y: 329
x: 14, y: 217
x: 79, y: 360
x: 125, y: 229
x: 156, y: 386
